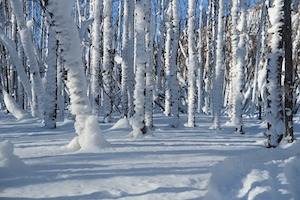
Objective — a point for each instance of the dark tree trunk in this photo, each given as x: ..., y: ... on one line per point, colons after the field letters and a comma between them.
x: 289, y: 76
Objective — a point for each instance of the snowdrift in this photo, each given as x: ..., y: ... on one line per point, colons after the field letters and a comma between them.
x: 261, y: 174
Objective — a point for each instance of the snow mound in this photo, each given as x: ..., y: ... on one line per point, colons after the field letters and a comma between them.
x: 10, y: 164
x: 262, y: 174
x: 91, y: 139
x: 122, y: 123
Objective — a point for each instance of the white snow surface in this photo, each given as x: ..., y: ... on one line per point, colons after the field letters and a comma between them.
x: 182, y: 163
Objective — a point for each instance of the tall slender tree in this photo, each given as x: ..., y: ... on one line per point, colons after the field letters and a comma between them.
x: 239, y: 70
x: 138, y: 119
x: 107, y: 60
x: 289, y: 76
x: 275, y: 122
x: 128, y: 56
x: 96, y: 54
x: 219, y: 69
x: 192, y: 64
x: 86, y: 124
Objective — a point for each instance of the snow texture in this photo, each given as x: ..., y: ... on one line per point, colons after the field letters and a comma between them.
x: 10, y: 164
x: 175, y: 164
x: 13, y: 107
x: 67, y: 34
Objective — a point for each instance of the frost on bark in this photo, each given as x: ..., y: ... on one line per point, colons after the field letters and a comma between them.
x: 219, y: 70
x: 234, y: 48
x: 107, y: 60
x: 238, y: 81
x: 200, y: 82
x: 86, y: 124
x: 127, y: 78
x: 174, y: 69
x: 275, y: 123
x: 171, y: 68
x: 149, y: 69
x: 192, y: 64
x: 51, y: 87
x: 168, y: 57
x: 207, y: 73
x: 141, y: 57
x: 96, y: 55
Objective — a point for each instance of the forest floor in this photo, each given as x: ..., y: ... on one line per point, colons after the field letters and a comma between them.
x: 181, y: 163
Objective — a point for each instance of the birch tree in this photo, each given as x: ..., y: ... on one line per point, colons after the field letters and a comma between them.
x: 192, y: 64
x: 138, y: 119
x: 168, y: 58
x: 107, y: 60
x: 96, y: 55
x: 128, y: 56
x: 200, y: 82
x: 219, y: 69
x: 86, y: 124
x: 239, y: 77
x: 51, y: 87
x: 149, y: 68
x: 275, y: 123
x: 174, y: 69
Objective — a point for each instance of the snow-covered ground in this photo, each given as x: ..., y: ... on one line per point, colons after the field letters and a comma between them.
x: 182, y: 163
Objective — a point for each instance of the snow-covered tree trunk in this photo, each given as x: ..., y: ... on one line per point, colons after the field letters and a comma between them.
x: 96, y: 55
x: 174, y: 69
x: 127, y: 63
x: 275, y: 123
x: 200, y: 82
x: 192, y: 64
x: 258, y: 55
x: 26, y: 40
x: 86, y: 124
x: 141, y: 58
x: 238, y: 71
x: 234, y: 48
x: 107, y: 60
x: 168, y: 58
x: 60, y: 85
x: 51, y: 87
x: 207, y: 65
x: 289, y: 73
x: 149, y: 68
x: 219, y: 70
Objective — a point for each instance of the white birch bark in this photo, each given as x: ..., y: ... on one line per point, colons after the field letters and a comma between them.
x: 207, y: 66
x: 219, y: 70
x: 137, y: 121
x: 275, y: 124
x: 192, y: 63
x: 107, y: 60
x: 200, y: 82
x: 96, y: 55
x: 127, y: 62
x: 174, y: 66
x: 168, y: 58
x: 149, y: 69
x: 51, y: 87
x: 239, y: 77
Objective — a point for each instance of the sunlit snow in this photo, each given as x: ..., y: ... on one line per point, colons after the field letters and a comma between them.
x: 181, y: 163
